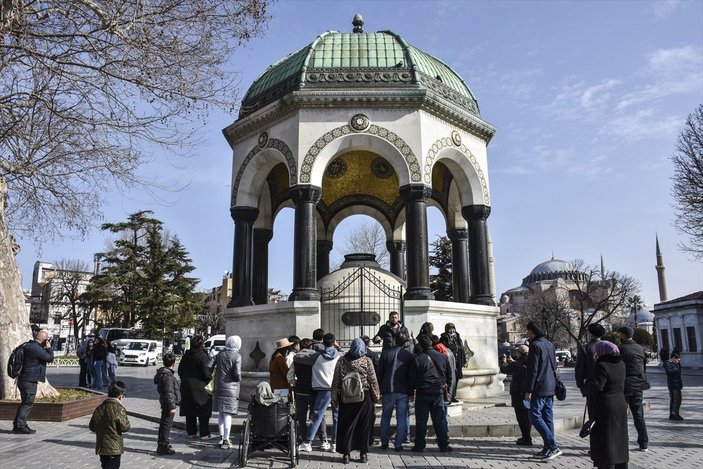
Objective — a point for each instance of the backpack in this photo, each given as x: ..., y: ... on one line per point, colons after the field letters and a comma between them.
x: 351, y: 390
x: 16, y: 361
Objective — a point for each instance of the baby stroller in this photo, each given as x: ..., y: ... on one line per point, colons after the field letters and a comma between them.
x: 270, y: 425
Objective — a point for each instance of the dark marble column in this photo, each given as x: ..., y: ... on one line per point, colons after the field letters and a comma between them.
x: 262, y: 237
x: 396, y: 251
x: 242, y: 266
x: 418, y: 270
x: 476, y: 216
x: 324, y: 247
x: 460, y: 264
x: 305, y: 197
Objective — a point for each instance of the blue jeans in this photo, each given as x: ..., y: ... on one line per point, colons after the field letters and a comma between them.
x: 98, y: 374
x: 634, y: 401
x: 426, y: 405
x: 542, y: 418
x: 400, y: 402
x: 319, y: 407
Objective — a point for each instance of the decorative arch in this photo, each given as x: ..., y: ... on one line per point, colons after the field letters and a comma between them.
x: 392, y: 145
x: 473, y: 185
x: 346, y: 212
x: 270, y: 146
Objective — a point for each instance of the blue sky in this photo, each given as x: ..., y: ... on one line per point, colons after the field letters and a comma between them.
x: 588, y: 98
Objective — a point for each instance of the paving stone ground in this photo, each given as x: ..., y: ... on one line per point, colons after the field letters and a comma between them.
x: 71, y: 445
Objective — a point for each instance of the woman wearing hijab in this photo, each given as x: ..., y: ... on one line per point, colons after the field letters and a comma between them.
x: 196, y: 404
x: 225, y: 398
x: 609, y: 443
x: 354, y: 423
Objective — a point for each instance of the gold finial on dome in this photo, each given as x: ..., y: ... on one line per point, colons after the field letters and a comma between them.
x: 358, y: 23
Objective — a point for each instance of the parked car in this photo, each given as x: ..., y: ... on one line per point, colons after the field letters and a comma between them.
x: 563, y: 356
x: 140, y: 352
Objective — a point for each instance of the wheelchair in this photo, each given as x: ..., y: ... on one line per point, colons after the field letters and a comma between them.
x: 270, y: 426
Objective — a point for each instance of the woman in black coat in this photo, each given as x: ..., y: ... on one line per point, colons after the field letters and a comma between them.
x: 196, y: 404
x: 518, y: 368
x: 609, y: 443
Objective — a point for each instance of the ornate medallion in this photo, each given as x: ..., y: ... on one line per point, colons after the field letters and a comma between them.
x: 456, y: 138
x: 263, y: 139
x: 359, y: 122
x: 381, y: 168
x: 336, y: 169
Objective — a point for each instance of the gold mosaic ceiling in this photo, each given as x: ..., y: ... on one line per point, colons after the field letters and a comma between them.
x: 359, y: 173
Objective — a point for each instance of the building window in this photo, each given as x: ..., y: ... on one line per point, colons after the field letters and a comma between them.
x: 691, y: 334
x: 665, y: 339
x: 677, y: 339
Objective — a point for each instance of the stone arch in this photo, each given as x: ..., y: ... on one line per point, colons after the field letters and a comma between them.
x: 375, y: 139
x: 274, y: 151
x: 471, y: 180
x: 346, y: 212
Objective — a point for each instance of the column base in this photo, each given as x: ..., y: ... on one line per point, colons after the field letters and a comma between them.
x: 486, y: 300
x: 239, y: 302
x: 418, y: 293
x: 304, y: 294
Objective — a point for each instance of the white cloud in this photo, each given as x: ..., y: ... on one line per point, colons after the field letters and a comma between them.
x: 645, y: 123
x: 598, y: 96
x: 664, y: 8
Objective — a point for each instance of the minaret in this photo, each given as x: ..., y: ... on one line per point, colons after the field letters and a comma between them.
x: 602, y: 267
x: 660, y: 274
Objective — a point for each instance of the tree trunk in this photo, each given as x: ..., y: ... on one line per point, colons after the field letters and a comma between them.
x: 14, y: 317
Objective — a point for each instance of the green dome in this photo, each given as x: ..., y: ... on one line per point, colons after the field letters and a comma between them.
x: 380, y: 60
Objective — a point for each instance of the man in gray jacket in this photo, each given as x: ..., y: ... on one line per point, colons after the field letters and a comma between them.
x: 635, y: 360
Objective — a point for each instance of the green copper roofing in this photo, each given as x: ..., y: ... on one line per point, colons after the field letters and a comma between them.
x: 357, y: 60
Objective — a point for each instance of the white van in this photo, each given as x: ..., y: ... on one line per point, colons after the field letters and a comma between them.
x: 216, y: 342
x: 140, y: 352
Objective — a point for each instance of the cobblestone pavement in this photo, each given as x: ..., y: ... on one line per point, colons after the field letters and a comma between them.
x: 70, y: 444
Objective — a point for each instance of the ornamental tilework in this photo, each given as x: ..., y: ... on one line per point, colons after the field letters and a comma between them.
x: 449, y: 142
x: 276, y: 144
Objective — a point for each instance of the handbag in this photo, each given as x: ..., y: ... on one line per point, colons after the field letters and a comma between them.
x: 587, y: 425
x: 210, y: 387
x: 559, y: 389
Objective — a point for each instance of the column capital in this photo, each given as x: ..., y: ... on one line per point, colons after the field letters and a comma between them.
x: 410, y: 192
x: 262, y: 235
x: 476, y: 212
x: 395, y: 246
x: 324, y: 245
x: 305, y: 193
x: 244, y: 214
x: 457, y: 234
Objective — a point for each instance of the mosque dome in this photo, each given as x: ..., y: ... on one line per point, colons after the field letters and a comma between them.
x: 376, y: 61
x: 553, y: 269
x: 642, y: 316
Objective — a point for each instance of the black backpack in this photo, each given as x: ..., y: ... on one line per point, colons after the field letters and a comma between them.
x: 16, y: 361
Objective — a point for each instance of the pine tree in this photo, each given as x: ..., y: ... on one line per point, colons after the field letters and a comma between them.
x: 441, y: 260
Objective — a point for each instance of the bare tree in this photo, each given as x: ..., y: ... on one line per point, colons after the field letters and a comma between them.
x: 70, y: 281
x: 546, y: 308
x: 85, y: 87
x: 688, y: 183
x: 369, y: 237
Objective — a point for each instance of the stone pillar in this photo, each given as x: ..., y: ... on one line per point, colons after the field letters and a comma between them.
x: 460, y: 264
x: 396, y: 252
x: 262, y: 237
x: 476, y: 216
x: 242, y: 266
x: 305, y: 197
x: 418, y: 270
x: 324, y: 247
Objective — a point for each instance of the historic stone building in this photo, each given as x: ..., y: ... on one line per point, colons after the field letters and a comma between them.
x: 361, y: 123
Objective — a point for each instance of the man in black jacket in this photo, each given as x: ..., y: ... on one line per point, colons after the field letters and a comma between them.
x: 518, y: 368
x: 392, y: 371
x: 428, y: 374
x: 584, y: 364
x: 37, y: 353
x: 538, y: 387
x: 387, y: 332
x: 635, y: 360
x: 300, y: 380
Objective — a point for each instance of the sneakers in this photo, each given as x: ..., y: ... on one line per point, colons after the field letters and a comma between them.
x: 304, y: 447
x: 523, y: 442
x: 193, y: 437
x: 167, y: 451
x: 384, y: 445
x: 226, y: 444
x: 325, y: 446
x: 541, y: 454
x: 334, y: 448
x: 209, y: 436
x: 23, y: 430
x: 446, y: 449
x: 220, y: 441
x: 675, y: 417
x: 398, y: 449
x: 551, y: 454
x: 643, y: 448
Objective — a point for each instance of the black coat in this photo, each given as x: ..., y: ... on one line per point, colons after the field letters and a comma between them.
x: 34, y: 364
x: 635, y: 359
x: 541, y: 368
x: 427, y: 377
x: 584, y: 365
x: 456, y: 346
x: 195, y: 375
x: 518, y: 370
x: 609, y: 443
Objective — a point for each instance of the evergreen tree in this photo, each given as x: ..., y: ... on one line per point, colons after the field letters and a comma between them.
x: 441, y: 260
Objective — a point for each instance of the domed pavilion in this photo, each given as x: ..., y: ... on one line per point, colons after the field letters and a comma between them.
x: 361, y: 123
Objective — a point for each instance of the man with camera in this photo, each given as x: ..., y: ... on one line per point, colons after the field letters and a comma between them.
x: 37, y: 353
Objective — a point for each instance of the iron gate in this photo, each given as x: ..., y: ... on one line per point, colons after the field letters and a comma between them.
x: 358, y: 305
